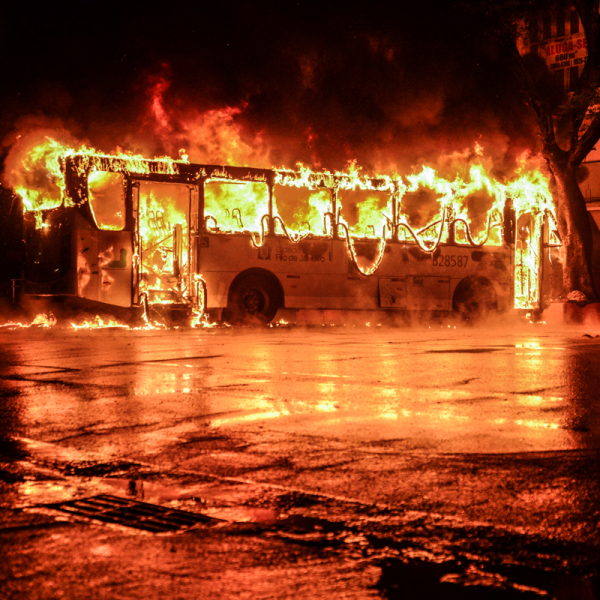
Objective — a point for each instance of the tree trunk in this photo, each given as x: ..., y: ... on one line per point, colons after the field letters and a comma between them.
x: 575, y: 231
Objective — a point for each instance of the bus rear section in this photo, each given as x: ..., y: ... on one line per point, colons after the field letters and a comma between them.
x: 82, y: 252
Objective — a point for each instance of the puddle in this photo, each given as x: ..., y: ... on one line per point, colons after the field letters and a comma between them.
x: 62, y: 490
x: 51, y: 492
x: 51, y: 452
x: 244, y: 514
x: 462, y: 351
x: 155, y: 493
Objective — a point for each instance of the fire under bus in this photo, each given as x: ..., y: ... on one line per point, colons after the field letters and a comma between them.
x: 241, y: 243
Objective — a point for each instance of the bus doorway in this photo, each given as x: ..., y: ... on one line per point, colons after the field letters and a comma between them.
x: 165, y: 242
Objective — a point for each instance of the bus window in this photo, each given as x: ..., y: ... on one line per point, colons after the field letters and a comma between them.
x: 303, y: 210
x: 366, y: 212
x: 477, y: 210
x: 107, y: 199
x: 421, y: 209
x: 235, y: 205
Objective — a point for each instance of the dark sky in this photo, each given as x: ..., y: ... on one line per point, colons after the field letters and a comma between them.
x: 385, y: 83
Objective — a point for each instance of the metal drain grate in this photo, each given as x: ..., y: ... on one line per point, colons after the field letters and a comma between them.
x: 131, y: 513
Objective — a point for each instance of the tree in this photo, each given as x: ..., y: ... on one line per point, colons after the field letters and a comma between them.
x: 567, y: 125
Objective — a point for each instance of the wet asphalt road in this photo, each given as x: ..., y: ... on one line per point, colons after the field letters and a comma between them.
x: 360, y: 462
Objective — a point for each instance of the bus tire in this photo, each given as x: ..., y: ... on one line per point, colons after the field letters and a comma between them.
x: 474, y: 298
x: 253, y: 299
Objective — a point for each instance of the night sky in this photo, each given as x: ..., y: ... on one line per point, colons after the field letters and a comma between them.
x: 386, y: 84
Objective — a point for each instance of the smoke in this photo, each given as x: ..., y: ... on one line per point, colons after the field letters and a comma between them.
x: 389, y: 88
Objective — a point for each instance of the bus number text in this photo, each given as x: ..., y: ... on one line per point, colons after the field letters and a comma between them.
x: 299, y: 258
x: 450, y: 260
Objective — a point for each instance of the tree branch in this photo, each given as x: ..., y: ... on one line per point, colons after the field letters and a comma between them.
x: 586, y: 142
x: 584, y: 94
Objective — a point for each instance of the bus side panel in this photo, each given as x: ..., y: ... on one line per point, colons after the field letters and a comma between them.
x: 115, y: 266
x: 415, y: 292
x: 405, y: 280
x: 222, y: 257
x: 314, y: 290
x: 429, y: 293
x: 415, y: 280
x: 50, y: 265
x: 321, y: 273
x: 311, y: 272
x: 88, y: 273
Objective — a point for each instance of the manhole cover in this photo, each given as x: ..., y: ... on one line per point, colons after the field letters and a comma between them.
x: 131, y: 513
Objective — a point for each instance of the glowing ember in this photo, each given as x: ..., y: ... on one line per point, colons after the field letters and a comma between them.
x: 200, y: 321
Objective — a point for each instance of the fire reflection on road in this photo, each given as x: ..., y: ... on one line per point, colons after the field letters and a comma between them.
x: 423, y: 445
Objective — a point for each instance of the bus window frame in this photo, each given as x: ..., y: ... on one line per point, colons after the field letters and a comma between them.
x: 311, y: 234
x: 202, y: 217
x: 393, y: 196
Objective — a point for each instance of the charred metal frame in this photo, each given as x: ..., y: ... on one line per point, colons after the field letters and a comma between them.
x: 76, y: 168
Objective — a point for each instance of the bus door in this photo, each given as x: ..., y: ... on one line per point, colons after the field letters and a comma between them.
x: 108, y: 262
x: 193, y: 243
x: 164, y: 241
x: 528, y: 247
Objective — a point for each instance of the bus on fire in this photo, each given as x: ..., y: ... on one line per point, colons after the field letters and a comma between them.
x: 241, y: 243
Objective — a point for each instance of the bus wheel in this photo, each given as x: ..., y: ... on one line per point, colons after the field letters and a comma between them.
x: 474, y: 298
x: 253, y: 300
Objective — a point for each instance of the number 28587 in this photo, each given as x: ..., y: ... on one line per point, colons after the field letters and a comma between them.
x: 450, y: 260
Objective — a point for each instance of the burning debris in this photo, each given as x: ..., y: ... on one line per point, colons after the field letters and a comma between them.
x: 181, y: 238
x: 41, y: 320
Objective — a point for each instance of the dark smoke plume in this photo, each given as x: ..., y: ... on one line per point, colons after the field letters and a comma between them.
x: 389, y: 85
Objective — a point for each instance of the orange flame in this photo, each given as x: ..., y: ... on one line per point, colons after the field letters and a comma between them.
x: 41, y: 320
x: 431, y: 207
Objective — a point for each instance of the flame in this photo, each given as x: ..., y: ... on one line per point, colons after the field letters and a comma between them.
x: 98, y: 323
x: 41, y: 320
x: 211, y: 137
x: 102, y: 186
x: 224, y: 203
x: 36, y: 172
x: 200, y: 320
x: 422, y: 207
x: 280, y: 323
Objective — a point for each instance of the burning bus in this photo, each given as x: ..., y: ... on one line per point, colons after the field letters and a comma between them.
x: 241, y: 243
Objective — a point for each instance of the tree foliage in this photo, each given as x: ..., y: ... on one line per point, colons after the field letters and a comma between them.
x: 567, y: 123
